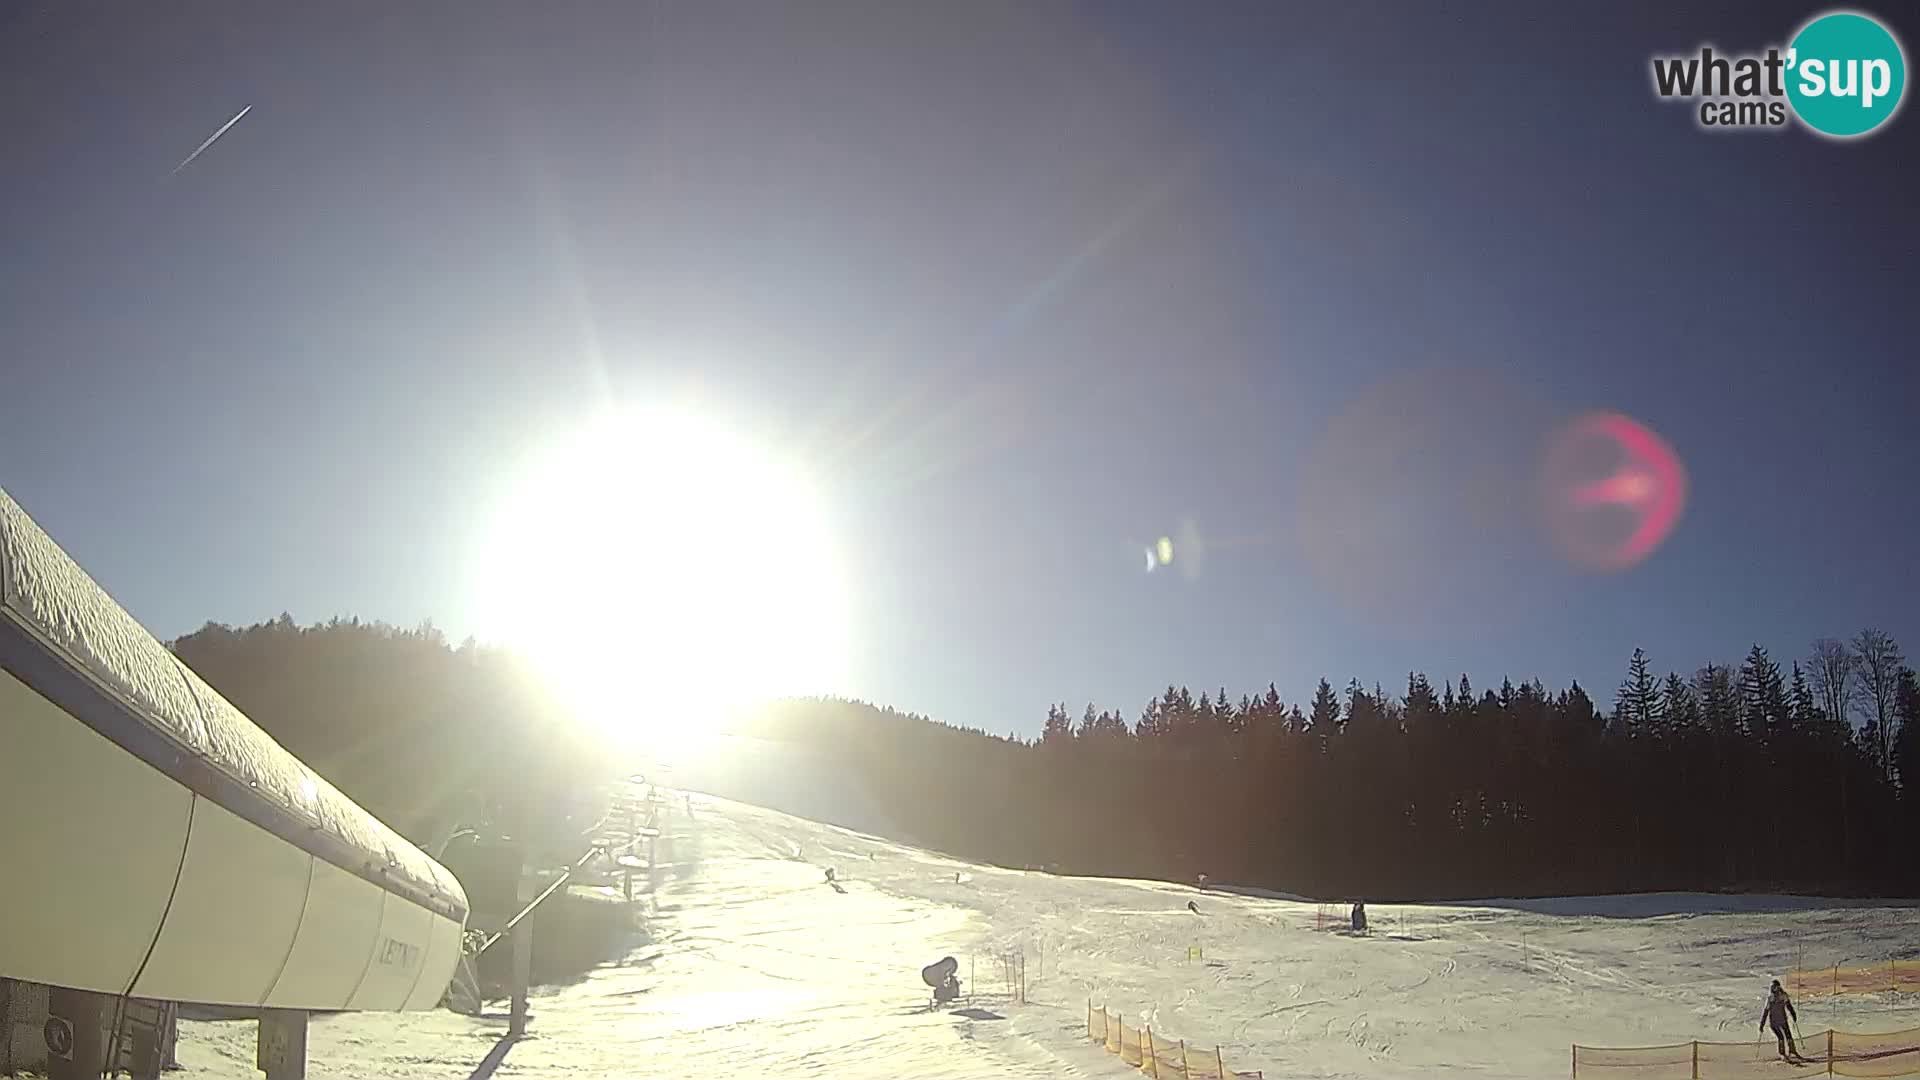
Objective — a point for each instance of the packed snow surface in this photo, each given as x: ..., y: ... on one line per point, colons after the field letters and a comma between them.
x: 757, y: 966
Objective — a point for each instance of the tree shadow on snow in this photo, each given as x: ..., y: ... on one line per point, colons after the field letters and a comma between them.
x: 977, y: 1014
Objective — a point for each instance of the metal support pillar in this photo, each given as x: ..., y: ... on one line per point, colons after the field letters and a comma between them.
x: 522, y: 976
x: 146, y: 1050
x: 281, y: 1051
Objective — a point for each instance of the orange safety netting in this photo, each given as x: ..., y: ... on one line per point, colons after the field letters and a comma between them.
x: 1634, y: 1061
x: 1825, y: 1053
x: 1158, y: 1057
x: 1893, y: 1054
x: 1856, y: 979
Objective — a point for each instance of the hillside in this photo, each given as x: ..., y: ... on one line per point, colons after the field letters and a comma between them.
x: 758, y: 967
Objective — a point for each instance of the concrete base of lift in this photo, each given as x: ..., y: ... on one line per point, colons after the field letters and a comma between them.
x: 76, y: 1034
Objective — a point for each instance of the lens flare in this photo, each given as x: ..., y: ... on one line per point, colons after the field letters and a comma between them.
x: 1614, y: 491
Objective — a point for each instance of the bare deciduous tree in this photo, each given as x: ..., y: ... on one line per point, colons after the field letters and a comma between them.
x: 1879, y: 660
x: 1832, y: 668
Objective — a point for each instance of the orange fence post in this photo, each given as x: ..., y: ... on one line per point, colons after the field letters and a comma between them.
x: 1696, y: 1059
x: 1575, y: 1054
x: 1152, y: 1064
x: 1836, y: 980
x: 1829, y: 1051
x: 1219, y: 1064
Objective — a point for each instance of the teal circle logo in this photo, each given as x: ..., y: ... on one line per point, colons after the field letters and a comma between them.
x: 1845, y: 74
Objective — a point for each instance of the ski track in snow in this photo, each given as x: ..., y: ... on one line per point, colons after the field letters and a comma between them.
x: 755, y: 967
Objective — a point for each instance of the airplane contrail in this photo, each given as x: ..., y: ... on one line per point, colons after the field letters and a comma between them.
x: 210, y: 140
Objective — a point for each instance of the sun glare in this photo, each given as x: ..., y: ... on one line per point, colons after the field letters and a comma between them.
x: 663, y: 574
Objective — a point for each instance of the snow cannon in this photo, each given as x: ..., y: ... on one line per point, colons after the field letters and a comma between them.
x: 944, y: 976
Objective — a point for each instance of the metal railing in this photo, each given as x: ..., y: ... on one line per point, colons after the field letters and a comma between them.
x: 552, y: 887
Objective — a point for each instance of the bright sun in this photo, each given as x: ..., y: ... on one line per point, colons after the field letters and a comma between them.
x: 664, y: 573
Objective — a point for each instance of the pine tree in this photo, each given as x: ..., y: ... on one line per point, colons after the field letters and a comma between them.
x: 1183, y: 715
x: 1576, y: 707
x: 1421, y: 704
x: 1682, y: 708
x: 1059, y: 725
x: 1359, y: 707
x: 1636, y: 705
x: 1326, y: 710
x: 1719, y: 704
x: 1803, y: 715
x: 1763, y: 700
x: 1153, y: 722
x: 1906, y: 751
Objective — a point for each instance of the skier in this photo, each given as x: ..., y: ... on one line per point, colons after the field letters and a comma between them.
x: 1778, y: 1008
x: 1360, y: 917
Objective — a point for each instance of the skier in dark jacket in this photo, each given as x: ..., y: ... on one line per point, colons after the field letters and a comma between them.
x: 1779, y: 1008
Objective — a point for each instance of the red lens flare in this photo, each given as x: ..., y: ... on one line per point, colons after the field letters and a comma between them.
x: 1614, y: 490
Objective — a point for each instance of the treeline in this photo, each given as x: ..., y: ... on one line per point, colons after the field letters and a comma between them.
x: 1740, y: 777
x: 423, y: 733
x: 1748, y: 776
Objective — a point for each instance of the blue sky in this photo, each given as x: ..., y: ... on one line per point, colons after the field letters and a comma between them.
x: 1027, y: 286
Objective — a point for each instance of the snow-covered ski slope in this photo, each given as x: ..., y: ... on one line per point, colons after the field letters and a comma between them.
x: 758, y: 968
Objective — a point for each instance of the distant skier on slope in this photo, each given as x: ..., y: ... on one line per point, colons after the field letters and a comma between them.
x: 1359, y: 920
x: 1778, y: 1008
